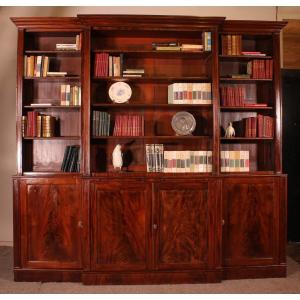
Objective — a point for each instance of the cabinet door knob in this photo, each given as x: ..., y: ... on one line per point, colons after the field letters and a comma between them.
x: 155, y: 226
x: 223, y: 222
x: 80, y: 224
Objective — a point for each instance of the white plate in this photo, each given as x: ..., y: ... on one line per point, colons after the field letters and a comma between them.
x: 120, y: 92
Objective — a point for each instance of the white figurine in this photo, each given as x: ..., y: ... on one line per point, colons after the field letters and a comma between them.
x: 230, y: 132
x: 117, y: 159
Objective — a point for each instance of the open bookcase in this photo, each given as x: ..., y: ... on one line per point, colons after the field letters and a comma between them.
x: 198, y: 207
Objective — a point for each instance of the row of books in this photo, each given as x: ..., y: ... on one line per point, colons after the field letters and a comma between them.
x: 231, y: 44
x: 235, y: 161
x: 75, y: 46
x: 101, y: 123
x: 189, y: 93
x: 233, y: 95
x: 36, y: 125
x: 187, y: 161
x: 260, y: 126
x: 107, y: 65
x: 260, y: 69
x: 70, y: 95
x: 71, y: 160
x: 129, y: 125
x: 36, y: 66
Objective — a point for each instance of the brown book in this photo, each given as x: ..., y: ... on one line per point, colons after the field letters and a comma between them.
x: 24, y: 126
x: 229, y: 44
x: 39, y: 126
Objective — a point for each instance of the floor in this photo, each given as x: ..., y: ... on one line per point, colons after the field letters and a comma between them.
x: 291, y: 284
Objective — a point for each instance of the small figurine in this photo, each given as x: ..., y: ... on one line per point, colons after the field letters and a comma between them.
x: 117, y: 157
x: 230, y: 132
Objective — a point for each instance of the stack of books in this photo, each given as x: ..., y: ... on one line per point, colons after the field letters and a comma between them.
x: 155, y: 157
x: 107, y: 65
x: 36, y: 66
x: 189, y: 93
x: 36, y: 125
x: 253, y: 53
x: 166, y: 46
x: 129, y: 125
x: 187, y: 161
x: 252, y: 127
x: 76, y: 46
x: 235, y: 161
x: 260, y: 69
x: 231, y: 44
x: 192, y: 47
x: 71, y: 160
x: 233, y: 95
x: 70, y: 95
x: 133, y: 73
x: 101, y: 123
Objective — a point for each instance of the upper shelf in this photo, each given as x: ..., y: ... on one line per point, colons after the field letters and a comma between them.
x: 54, y: 52
x: 225, y: 79
x: 244, y: 57
x: 153, y: 79
x: 53, y: 78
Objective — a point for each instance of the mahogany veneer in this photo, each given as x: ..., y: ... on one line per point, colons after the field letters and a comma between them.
x: 104, y: 227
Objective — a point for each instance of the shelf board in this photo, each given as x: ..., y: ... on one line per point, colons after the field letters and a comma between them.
x: 53, y: 138
x: 50, y: 173
x: 53, y: 78
x: 245, y: 139
x: 144, y: 105
x: 242, y: 57
x: 152, y: 79
x: 150, y: 174
x: 53, y: 106
x: 245, y: 108
x: 145, y: 52
x: 161, y: 137
x: 248, y: 173
x: 225, y: 79
x: 55, y: 52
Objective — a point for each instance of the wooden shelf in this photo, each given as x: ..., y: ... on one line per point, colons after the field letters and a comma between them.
x: 152, y: 79
x: 144, y: 52
x: 245, y: 139
x: 244, y: 108
x: 54, y: 52
x: 53, y: 106
x: 153, y: 106
x: 53, y: 78
x: 53, y: 138
x: 50, y: 173
x: 171, y: 137
x: 243, y: 57
x: 225, y: 79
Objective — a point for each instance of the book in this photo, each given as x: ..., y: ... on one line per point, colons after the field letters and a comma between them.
x: 129, y: 125
x: 57, y: 74
x: 40, y: 104
x: 168, y: 48
x: 235, y: 161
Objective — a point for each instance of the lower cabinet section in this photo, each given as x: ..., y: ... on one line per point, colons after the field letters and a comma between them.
x: 50, y: 223
x: 149, y: 231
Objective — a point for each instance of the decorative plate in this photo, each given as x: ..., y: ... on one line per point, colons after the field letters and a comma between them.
x: 183, y: 123
x: 120, y: 92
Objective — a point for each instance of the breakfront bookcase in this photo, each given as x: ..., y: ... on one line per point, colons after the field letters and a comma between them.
x: 99, y: 226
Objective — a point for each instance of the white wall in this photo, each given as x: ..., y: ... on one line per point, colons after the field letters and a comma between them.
x: 8, y: 38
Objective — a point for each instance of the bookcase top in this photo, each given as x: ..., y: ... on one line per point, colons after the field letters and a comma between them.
x: 146, y: 22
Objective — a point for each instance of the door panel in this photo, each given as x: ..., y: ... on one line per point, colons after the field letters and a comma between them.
x: 251, y: 221
x: 184, y: 217
x: 51, y: 212
x: 120, y: 226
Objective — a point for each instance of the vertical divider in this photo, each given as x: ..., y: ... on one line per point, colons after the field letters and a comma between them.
x: 216, y: 102
x: 86, y: 102
x: 19, y: 99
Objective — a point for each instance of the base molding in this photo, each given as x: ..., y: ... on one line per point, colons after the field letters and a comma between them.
x: 46, y: 275
x: 251, y: 272
x: 150, y: 277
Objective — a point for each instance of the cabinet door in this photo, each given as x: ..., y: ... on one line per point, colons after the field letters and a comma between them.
x: 120, y: 222
x: 187, y: 225
x: 251, y: 215
x: 50, y: 216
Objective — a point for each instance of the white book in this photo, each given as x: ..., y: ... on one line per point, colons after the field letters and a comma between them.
x: 40, y: 104
x: 222, y: 161
x: 68, y: 94
x: 227, y: 162
x: 171, y: 93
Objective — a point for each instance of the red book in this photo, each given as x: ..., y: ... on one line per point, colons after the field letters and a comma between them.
x: 271, y: 68
x: 253, y: 126
x: 260, y: 124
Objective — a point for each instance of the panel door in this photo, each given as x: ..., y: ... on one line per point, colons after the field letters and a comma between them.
x: 251, y: 216
x: 50, y: 223
x: 120, y: 225
x: 187, y: 225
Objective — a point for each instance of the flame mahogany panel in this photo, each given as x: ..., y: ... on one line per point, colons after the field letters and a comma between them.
x: 50, y: 216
